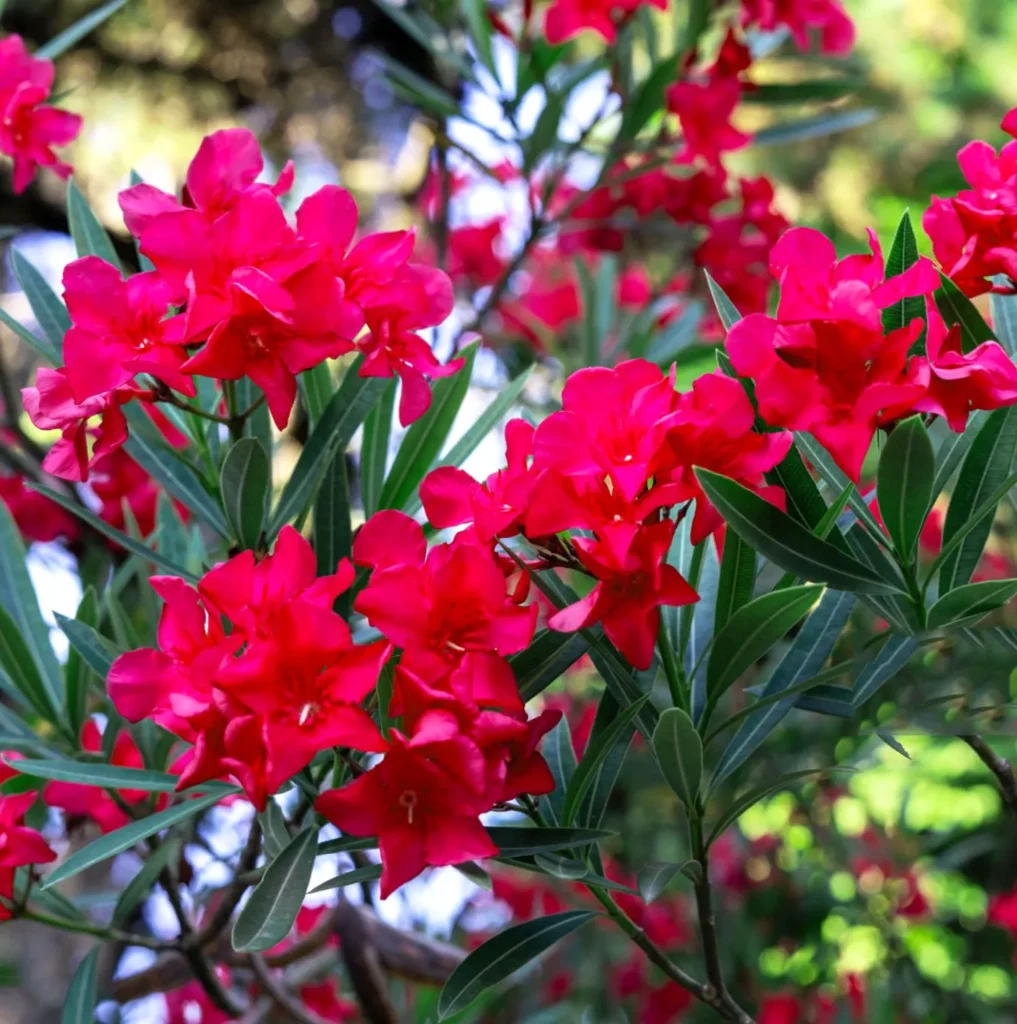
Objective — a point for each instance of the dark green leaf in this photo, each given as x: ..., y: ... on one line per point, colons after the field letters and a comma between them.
x: 79, y: 1003
x: 139, y: 887
x: 273, y: 827
x: 124, y: 838
x: 339, y: 421
x: 545, y: 131
x: 892, y: 657
x: 903, y: 254
x: 50, y: 313
x: 418, y: 90
x: 244, y: 481
x: 810, y: 91
x: 737, y: 579
x: 111, y: 776
x: 333, y: 529
x: 367, y: 873
x: 648, y: 99
x: 151, y: 451
x: 596, y: 751
x: 78, y: 670
x: 61, y: 43
x: 904, y: 484
x: 19, y: 668
x: 96, y: 651
x: 482, y: 426
x: 676, y: 336
x: 90, y: 237
x: 970, y: 602
x: 268, y: 915
x: 726, y: 309
x: 503, y: 955
x: 41, y: 345
x: 784, y: 541
x: 653, y: 879
x: 985, y: 468
x: 479, y: 27
x: 547, y: 657
x: 594, y: 805
x: 424, y: 440
x: 525, y: 840
x: 679, y: 751
x: 1004, y: 316
x: 809, y: 649
x: 561, y: 760
x: 956, y: 308
x: 374, y: 449
x: 318, y: 389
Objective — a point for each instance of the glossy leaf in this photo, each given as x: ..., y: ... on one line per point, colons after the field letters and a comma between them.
x: 333, y: 528
x: 985, y: 468
x: 547, y: 657
x: 245, y: 481
x: 560, y: 756
x: 904, y: 484
x: 892, y: 657
x: 90, y: 237
x: 903, y: 254
x: 1004, y: 316
x: 653, y: 879
x: 49, y: 311
x: 679, y: 751
x: 62, y: 42
x: 366, y: 873
x: 79, y: 669
x: 42, y: 345
x: 79, y: 1003
x: 956, y: 308
x: 524, y: 841
x: 503, y: 955
x: 269, y: 913
x: 786, y: 542
x: 374, y: 449
x: 110, y: 776
x: 726, y: 309
x: 970, y: 602
x: 124, y: 838
x: 19, y: 669
x: 737, y: 579
x: 139, y: 888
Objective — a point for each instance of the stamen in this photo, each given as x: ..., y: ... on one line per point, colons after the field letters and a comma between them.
x: 408, y: 799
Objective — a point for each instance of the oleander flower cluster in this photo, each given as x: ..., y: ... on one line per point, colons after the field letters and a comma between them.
x: 236, y: 292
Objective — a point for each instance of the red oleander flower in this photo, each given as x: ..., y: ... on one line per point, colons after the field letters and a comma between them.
x: 802, y: 18
x: 119, y: 329
x: 19, y: 845
x: 628, y: 594
x: 38, y: 518
x: 422, y: 802
x: 704, y: 110
x: 567, y: 18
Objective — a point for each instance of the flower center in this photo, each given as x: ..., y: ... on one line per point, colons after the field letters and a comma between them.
x: 408, y: 800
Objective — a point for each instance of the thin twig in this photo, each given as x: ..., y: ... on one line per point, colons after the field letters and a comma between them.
x: 290, y: 1006
x: 999, y: 766
x: 220, y: 917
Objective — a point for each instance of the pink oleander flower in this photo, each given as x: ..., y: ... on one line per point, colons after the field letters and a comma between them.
x: 802, y: 18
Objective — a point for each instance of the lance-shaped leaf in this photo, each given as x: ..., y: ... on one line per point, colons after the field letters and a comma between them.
x: 904, y: 484
x: 62, y: 42
x: 737, y: 579
x: 79, y: 1003
x: 90, y: 237
x: 525, y: 840
x: 653, y: 879
x: 503, y: 955
x: 985, y: 468
x: 956, y: 308
x: 679, y: 751
x: 594, y: 805
x: 338, y: 423
x: 903, y: 254
x: 1004, y: 316
x: 548, y: 656
x: 244, y: 481
x: 809, y: 649
x: 366, y: 873
x: 333, y: 528
x: 814, y: 127
x: 18, y: 600
x: 78, y: 670
x: 124, y: 838
x: 726, y: 309
x: 425, y: 439
x: 892, y: 657
x: 374, y: 449
x: 110, y: 776
x: 269, y: 914
x: 560, y: 756
x: 786, y: 542
x: 19, y: 671
x: 139, y: 888
x: 971, y: 602
x: 49, y: 311
x: 750, y: 634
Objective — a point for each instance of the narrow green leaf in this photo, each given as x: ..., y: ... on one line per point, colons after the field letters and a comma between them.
x: 17, y: 598
x: 244, y: 482
x: 20, y: 669
x: 110, y: 776
x: 333, y: 529
x: 545, y: 131
x: 827, y: 700
x: 482, y: 426
x: 814, y: 127
x: 140, y: 886
x: 739, y: 806
x: 548, y: 656
x: 425, y: 439
x: 124, y: 838
x: 50, y: 313
x: 560, y: 756
x: 273, y: 827
x: 726, y: 309
x: 737, y: 579
x: 952, y: 450
x: 594, y: 805
x: 1004, y: 316
x: 79, y: 1003
x: 367, y: 873
x: 804, y: 658
x: 648, y: 99
x: 78, y: 671
x: 956, y: 308
x: 892, y: 657
x: 595, y: 753
x: 653, y: 879
x: 151, y: 451
x: 91, y: 646
x: 136, y: 547
x: 318, y: 389
x: 987, y: 464
x: 90, y: 237
x: 904, y: 484
x: 42, y: 345
x: 903, y: 254
x: 503, y: 955
x: 418, y: 90
x: 970, y: 602
x: 811, y: 91
x: 526, y: 840
x: 786, y: 542
x: 374, y: 449
x: 268, y: 915
x: 339, y: 421
x: 61, y: 43
x: 679, y: 750
x: 676, y: 336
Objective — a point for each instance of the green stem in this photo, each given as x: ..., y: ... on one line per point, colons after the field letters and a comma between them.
x: 234, y: 420
x: 108, y: 934
x: 673, y: 670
